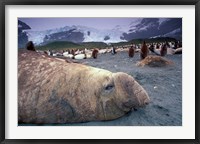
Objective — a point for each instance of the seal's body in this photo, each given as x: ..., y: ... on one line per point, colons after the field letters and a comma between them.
x: 50, y: 90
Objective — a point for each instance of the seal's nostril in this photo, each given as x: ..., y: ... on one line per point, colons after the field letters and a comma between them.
x: 146, y: 101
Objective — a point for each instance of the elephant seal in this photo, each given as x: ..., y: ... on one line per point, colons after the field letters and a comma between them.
x: 54, y: 91
x: 154, y: 61
x: 80, y: 56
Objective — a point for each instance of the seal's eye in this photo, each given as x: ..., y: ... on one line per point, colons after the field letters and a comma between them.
x: 109, y: 87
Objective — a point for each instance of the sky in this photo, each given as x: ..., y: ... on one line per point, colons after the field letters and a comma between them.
x: 99, y: 23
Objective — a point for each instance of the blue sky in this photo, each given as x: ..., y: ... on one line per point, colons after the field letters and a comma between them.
x: 99, y: 23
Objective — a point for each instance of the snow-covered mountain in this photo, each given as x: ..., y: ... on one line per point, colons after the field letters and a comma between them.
x: 75, y: 34
x: 138, y: 28
x: 177, y: 33
x: 22, y: 35
x: 155, y: 27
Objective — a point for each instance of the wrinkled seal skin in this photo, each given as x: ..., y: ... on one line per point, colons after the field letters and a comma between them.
x: 51, y: 90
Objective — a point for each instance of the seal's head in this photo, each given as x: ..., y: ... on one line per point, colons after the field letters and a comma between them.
x: 120, y: 93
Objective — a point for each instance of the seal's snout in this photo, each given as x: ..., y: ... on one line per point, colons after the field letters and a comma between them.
x: 146, y: 101
x: 143, y: 97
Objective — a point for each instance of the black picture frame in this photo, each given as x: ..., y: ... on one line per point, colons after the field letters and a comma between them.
x: 3, y: 3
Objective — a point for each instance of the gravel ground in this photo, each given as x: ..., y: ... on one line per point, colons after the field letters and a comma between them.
x: 163, y: 84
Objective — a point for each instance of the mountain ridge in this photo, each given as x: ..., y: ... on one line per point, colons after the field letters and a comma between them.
x: 143, y: 28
